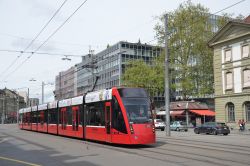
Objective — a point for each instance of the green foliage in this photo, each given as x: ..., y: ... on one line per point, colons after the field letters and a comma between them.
x: 227, y: 17
x: 191, y: 59
x: 139, y: 74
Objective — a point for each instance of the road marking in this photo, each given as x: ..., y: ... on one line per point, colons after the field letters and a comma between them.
x: 3, y: 140
x: 18, y: 161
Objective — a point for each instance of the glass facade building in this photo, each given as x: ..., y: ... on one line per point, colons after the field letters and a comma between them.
x: 109, y: 65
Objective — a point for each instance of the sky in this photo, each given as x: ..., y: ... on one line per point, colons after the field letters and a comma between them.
x: 95, y: 25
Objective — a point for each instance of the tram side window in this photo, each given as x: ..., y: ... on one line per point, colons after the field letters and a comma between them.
x: 28, y: 117
x: 52, y: 116
x: 34, y: 117
x: 24, y: 118
x: 38, y: 117
x: 95, y: 114
x: 69, y: 116
x: 81, y: 115
x: 41, y: 117
x: 45, y: 116
x: 117, y: 117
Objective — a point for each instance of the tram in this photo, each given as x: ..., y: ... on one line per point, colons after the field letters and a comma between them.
x: 116, y: 115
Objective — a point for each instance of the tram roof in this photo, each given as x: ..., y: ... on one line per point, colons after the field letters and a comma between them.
x: 42, y: 107
x: 77, y: 100
x: 101, y: 95
x: 34, y: 108
x: 27, y: 110
x: 64, y: 103
x: 21, y: 111
x: 52, y: 104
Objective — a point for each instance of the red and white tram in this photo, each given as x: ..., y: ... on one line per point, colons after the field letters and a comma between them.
x: 26, y: 118
x: 117, y: 115
x: 20, y: 118
x: 34, y: 117
x: 52, y: 118
x: 42, y: 118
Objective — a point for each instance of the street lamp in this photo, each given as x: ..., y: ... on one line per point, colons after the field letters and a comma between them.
x: 66, y: 58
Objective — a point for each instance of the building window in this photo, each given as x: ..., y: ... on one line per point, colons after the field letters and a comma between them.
x: 245, y: 51
x: 231, y: 114
x: 229, y: 81
x: 247, y: 110
x: 228, y: 55
x: 246, y: 78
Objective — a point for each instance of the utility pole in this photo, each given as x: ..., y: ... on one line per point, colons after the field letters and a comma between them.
x: 42, y: 92
x: 3, y: 114
x: 167, y: 103
x: 17, y: 109
x: 91, y: 52
x: 28, y: 98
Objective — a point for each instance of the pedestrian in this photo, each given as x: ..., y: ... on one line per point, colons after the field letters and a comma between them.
x: 243, y: 124
x: 240, y: 125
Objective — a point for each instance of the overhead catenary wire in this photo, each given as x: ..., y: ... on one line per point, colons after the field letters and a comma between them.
x: 32, y: 41
x: 33, y: 52
x: 60, y: 27
x: 56, y: 42
x: 43, y: 53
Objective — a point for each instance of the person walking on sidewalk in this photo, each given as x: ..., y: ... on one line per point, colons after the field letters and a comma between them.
x: 240, y: 125
x: 243, y: 124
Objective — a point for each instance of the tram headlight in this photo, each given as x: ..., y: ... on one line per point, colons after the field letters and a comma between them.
x: 131, y: 128
x: 153, y: 128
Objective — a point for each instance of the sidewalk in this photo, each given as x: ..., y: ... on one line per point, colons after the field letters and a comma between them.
x: 236, y: 131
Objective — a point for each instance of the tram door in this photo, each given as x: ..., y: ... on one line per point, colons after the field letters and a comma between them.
x: 75, y: 118
x: 63, y: 118
x: 108, y: 120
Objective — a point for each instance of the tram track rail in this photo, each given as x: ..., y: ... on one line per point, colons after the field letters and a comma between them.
x: 161, y: 152
x: 201, y: 141
x: 209, y: 146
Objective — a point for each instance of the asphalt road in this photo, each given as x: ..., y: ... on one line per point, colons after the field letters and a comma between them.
x: 20, y: 147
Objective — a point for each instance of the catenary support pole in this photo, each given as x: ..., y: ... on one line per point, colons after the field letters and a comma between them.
x: 167, y: 103
x: 42, y: 92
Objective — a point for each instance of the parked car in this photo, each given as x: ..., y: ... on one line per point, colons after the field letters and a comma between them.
x: 159, y: 124
x: 213, y: 128
x: 178, y: 126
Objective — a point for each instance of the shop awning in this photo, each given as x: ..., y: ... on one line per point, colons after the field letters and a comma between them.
x: 175, y: 113
x: 203, y: 112
x: 172, y: 113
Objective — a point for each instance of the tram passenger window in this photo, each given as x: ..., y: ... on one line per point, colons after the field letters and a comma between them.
x: 52, y: 116
x: 45, y: 116
x: 41, y: 117
x: 81, y: 115
x: 117, y: 117
x: 95, y: 114
x: 34, y: 117
x: 69, y: 116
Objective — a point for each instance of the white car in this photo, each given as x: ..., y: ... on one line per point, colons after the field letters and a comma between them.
x: 159, y: 124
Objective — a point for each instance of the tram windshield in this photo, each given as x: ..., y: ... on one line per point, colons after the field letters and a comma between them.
x: 138, y: 110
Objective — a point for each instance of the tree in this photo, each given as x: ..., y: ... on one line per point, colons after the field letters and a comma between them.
x: 140, y: 74
x: 191, y: 59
